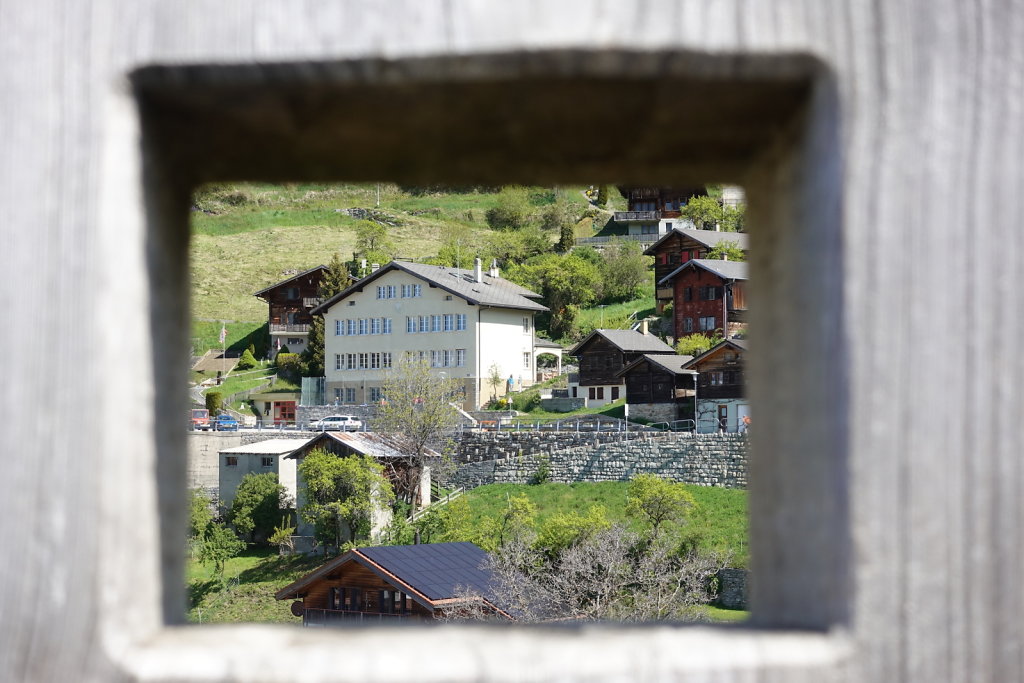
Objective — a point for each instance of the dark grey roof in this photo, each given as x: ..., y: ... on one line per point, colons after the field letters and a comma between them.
x: 728, y: 270
x: 293, y: 277
x: 371, y: 444
x: 437, y: 570
x: 491, y: 291
x: 546, y: 344
x: 709, y: 238
x: 671, y: 363
x: 627, y: 340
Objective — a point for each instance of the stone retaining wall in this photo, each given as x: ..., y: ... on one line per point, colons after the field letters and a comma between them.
x: 495, y: 445
x: 704, y: 459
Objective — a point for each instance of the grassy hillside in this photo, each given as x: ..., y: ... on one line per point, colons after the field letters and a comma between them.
x: 720, y: 516
x: 246, y: 236
x: 247, y: 595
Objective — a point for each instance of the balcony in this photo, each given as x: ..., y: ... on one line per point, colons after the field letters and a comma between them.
x: 637, y: 216
x: 291, y: 329
x: 330, y: 617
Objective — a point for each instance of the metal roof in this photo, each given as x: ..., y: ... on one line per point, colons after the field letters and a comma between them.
x: 439, y: 571
x: 740, y: 344
x: 627, y: 340
x: 709, y: 238
x: 490, y: 291
x: 269, y: 447
x: 727, y: 270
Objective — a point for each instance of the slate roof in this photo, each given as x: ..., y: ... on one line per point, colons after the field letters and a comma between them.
x: 727, y: 270
x: 709, y: 238
x: 626, y: 340
x: 431, y: 573
x: 287, y: 280
x: 491, y: 291
x: 674, y: 364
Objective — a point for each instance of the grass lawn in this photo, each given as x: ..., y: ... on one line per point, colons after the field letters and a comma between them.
x: 234, y: 383
x: 723, y: 615
x: 247, y: 595
x: 720, y: 515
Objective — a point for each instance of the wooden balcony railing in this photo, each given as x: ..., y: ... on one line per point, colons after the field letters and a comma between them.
x: 276, y: 327
x: 627, y: 216
x: 327, y: 617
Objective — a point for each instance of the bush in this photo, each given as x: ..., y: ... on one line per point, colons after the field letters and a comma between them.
x: 512, y: 210
x: 543, y: 473
x: 526, y: 402
x: 247, y: 361
x: 214, y: 402
x: 289, y: 364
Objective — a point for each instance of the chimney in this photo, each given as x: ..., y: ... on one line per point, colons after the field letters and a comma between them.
x: 643, y: 327
x: 725, y: 257
x: 479, y: 267
x: 374, y: 267
x: 494, y: 272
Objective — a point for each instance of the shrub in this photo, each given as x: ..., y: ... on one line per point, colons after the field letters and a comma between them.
x: 526, y: 402
x: 289, y: 364
x: 543, y: 473
x: 214, y: 402
x: 247, y: 361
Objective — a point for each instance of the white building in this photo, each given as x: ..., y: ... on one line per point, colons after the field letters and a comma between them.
x: 464, y: 323
x: 258, y: 458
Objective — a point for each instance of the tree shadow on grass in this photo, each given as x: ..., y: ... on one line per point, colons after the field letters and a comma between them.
x: 198, y: 590
x: 277, y: 568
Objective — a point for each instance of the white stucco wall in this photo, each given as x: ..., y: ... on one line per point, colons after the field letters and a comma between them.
x: 500, y: 337
x: 707, y: 410
x: 231, y: 477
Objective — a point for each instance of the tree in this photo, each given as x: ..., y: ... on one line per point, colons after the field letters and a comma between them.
x: 696, y: 343
x: 247, y: 361
x: 214, y: 402
x: 730, y: 249
x: 335, y: 279
x: 372, y: 242
x: 200, y: 515
x: 566, y: 282
x: 656, y: 501
x: 705, y: 212
x: 219, y: 546
x: 734, y: 218
x: 495, y: 379
x: 518, y: 246
x: 257, y: 506
x: 602, y: 195
x: 511, y: 210
x: 624, y: 270
x: 341, y: 495
x: 418, y: 416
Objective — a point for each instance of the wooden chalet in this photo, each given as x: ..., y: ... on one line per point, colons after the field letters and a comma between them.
x: 708, y: 296
x: 386, y: 583
x: 601, y: 355
x: 653, y: 210
x: 290, y: 302
x: 721, y: 387
x: 681, y: 245
x: 659, y: 388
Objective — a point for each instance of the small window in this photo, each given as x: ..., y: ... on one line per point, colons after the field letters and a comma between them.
x: 231, y: 461
x: 267, y: 461
x: 351, y: 303
x: 615, y: 393
x: 687, y: 324
x: 688, y: 294
x: 591, y: 393
x: 448, y: 297
x: 600, y: 393
x: 526, y: 360
x: 526, y: 324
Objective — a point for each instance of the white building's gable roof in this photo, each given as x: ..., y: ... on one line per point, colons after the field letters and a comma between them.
x: 490, y: 291
x: 268, y: 447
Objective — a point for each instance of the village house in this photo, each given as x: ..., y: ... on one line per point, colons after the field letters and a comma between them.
x: 708, y: 296
x: 466, y: 324
x: 398, y: 469
x: 387, y: 583
x: 602, y: 355
x: 681, y: 245
x: 290, y: 302
x: 653, y: 211
x: 722, y: 403
x: 257, y: 458
x: 660, y: 389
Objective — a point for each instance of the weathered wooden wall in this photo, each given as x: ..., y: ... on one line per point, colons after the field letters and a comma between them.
x: 870, y: 136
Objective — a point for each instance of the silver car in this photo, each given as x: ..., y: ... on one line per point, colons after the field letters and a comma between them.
x: 344, y: 423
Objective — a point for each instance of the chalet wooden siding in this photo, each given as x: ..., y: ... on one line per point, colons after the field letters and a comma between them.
x: 355, y: 588
x: 650, y: 383
x: 599, y: 363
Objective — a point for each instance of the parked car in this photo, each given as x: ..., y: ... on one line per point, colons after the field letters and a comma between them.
x: 199, y: 419
x: 345, y: 423
x: 225, y: 423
